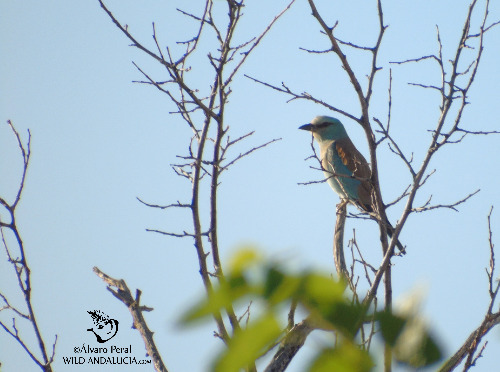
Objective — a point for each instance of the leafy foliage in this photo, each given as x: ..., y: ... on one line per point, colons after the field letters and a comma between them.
x: 327, y: 304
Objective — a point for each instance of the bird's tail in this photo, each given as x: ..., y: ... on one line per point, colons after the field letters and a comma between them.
x: 390, y: 231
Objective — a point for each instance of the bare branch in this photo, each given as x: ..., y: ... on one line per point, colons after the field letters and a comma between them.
x: 312, y: 182
x: 427, y: 86
x: 230, y: 143
x: 120, y: 290
x: 257, y: 41
x: 493, y: 290
x: 477, y: 132
x: 479, y: 355
x: 419, y: 59
x: 491, y: 319
x: 184, y: 234
x: 304, y: 95
x: 404, y: 194
x: 171, y: 67
x: 176, y: 205
x: 21, y: 267
x: 25, y: 152
x: 292, y: 343
x: 486, y: 29
x: 193, y: 42
x: 362, y: 260
x: 394, y: 147
x: 291, y: 315
x: 427, y: 207
x: 355, y: 46
x: 7, y: 305
x: 242, y: 155
x: 15, y: 334
x: 316, y: 51
x: 338, y: 242
x: 335, y: 47
x: 471, y: 343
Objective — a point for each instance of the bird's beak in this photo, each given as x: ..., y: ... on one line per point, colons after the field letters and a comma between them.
x: 306, y: 127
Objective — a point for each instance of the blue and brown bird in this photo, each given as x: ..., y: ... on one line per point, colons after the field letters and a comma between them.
x: 345, y: 169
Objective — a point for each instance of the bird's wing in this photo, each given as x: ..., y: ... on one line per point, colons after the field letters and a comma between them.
x: 359, y: 167
x: 352, y: 158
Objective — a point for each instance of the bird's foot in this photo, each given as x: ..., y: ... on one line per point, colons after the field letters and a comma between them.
x: 342, y: 204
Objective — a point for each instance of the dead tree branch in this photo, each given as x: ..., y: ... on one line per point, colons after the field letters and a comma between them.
x: 120, y: 290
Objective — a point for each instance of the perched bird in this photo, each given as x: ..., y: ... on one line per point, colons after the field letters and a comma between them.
x: 346, y: 170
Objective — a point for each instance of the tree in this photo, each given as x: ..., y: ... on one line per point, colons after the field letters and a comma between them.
x: 16, y: 256
x: 211, y: 151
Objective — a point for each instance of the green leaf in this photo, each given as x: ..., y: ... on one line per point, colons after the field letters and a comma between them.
x: 273, y: 281
x: 415, y: 346
x: 322, y: 289
x: 391, y: 326
x: 409, y: 337
x: 243, y: 259
x: 327, y: 304
x: 280, y: 287
x: 346, y: 357
x: 229, y: 291
x: 248, y: 344
x: 345, y: 317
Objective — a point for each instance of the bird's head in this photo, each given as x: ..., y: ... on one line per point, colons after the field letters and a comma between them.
x: 325, y: 128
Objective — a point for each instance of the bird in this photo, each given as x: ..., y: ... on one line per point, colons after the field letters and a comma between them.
x: 345, y: 169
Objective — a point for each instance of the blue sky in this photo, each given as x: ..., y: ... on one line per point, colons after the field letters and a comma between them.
x: 99, y: 141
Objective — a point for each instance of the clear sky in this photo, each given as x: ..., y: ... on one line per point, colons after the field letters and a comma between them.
x: 99, y: 141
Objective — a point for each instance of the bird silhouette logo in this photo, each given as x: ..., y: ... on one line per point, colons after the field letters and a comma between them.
x: 105, y: 328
